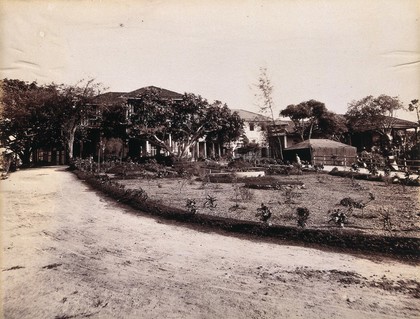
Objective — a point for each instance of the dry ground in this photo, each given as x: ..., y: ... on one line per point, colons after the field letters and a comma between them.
x: 320, y: 194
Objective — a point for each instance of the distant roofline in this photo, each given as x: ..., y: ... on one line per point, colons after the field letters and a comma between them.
x: 318, y: 142
x: 398, y: 124
x: 165, y: 93
x: 130, y: 95
x: 254, y: 117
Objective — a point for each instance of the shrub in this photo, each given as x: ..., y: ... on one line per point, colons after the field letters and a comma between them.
x: 268, y: 182
x: 355, y: 175
x: 153, y: 166
x: 191, y: 206
x: 302, y: 216
x: 334, y: 171
x: 284, y: 170
x: 184, y: 168
x: 239, y: 164
x: 266, y: 161
x: 210, y: 202
x: 338, y: 217
x: 386, y: 219
x: 222, y: 178
x: 264, y: 213
x: 350, y: 202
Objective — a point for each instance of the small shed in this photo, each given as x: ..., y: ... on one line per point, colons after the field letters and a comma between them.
x: 321, y: 151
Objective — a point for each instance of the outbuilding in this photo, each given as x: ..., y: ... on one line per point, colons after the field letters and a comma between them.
x: 321, y: 151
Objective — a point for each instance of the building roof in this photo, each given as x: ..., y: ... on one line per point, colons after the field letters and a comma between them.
x: 166, y: 94
x: 114, y: 97
x: 249, y: 116
x: 110, y: 97
x: 317, y: 143
x: 403, y: 124
x: 394, y: 122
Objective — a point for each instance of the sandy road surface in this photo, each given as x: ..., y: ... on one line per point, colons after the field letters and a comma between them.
x: 68, y: 253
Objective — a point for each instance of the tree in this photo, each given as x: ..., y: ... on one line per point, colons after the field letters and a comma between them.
x: 25, y: 122
x: 373, y: 113
x: 229, y: 125
x: 72, y: 104
x: 313, y: 117
x: 249, y: 147
x: 151, y: 118
x: 331, y: 126
x: 414, y: 106
x: 267, y: 105
x: 185, y: 121
x: 113, y: 121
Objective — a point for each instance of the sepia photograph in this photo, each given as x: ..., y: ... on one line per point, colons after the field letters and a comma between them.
x: 210, y: 159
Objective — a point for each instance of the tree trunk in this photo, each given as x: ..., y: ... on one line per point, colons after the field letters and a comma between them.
x: 280, y: 147
x: 310, y: 131
x: 70, y: 143
x: 25, y: 156
x: 183, y: 153
x: 302, y: 137
x: 81, y: 149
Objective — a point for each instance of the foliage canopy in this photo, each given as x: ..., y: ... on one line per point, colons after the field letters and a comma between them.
x: 312, y: 117
x: 186, y: 121
x: 373, y: 113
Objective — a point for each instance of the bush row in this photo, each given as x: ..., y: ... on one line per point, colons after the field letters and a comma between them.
x: 137, y: 198
x: 408, y: 181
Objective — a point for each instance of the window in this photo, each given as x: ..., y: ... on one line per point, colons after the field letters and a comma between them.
x: 251, y: 126
x: 153, y: 150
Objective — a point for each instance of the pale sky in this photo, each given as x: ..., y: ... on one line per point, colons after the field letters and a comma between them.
x: 333, y: 51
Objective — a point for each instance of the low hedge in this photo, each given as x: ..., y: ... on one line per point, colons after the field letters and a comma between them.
x: 407, y: 247
x: 376, y: 178
x: 232, y: 178
x: 270, y: 184
x: 135, y: 198
x: 355, y: 175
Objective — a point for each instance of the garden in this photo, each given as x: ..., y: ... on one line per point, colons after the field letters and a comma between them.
x: 276, y: 198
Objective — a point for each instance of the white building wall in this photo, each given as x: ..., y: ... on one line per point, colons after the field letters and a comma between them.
x: 257, y: 135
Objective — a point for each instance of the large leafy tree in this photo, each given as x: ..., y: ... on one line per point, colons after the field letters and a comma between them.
x: 73, y: 104
x: 25, y: 122
x: 373, y: 113
x: 312, y: 117
x: 150, y: 117
x: 331, y: 126
x: 229, y: 126
x: 36, y: 116
x: 186, y: 121
x: 113, y: 121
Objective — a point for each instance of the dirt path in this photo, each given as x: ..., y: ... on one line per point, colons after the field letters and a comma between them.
x: 68, y: 253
